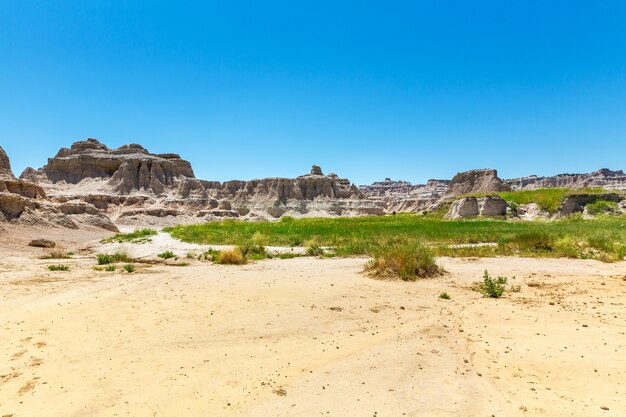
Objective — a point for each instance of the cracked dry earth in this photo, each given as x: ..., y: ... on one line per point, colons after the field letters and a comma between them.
x: 311, y: 337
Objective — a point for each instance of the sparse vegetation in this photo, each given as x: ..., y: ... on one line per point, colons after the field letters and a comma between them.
x: 492, y: 288
x: 516, y: 288
x: 58, y: 255
x: 408, y: 262
x: 110, y: 268
x: 444, y: 296
x: 166, y: 255
x: 129, y: 268
x: 230, y: 257
x: 568, y: 237
x: 252, y: 251
x: 105, y: 259
x: 58, y: 267
x: 138, y: 236
x: 602, y: 207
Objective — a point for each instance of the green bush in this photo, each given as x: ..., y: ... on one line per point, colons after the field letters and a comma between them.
x: 602, y: 207
x: 444, y: 296
x: 407, y: 262
x: 129, y: 268
x: 58, y: 267
x: 110, y: 268
x: 493, y: 288
x: 252, y: 251
x: 166, y: 255
x: 105, y: 259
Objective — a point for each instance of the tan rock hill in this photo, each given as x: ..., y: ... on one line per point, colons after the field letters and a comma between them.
x: 133, y: 185
x: 475, y: 181
x: 23, y: 202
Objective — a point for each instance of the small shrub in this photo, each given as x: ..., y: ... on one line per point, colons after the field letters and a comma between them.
x: 209, y: 255
x: 408, y: 262
x: 444, y: 296
x: 58, y: 267
x: 516, y: 288
x: 129, y: 268
x: 231, y: 257
x: 314, y: 250
x: 602, y: 207
x: 110, y: 268
x: 252, y: 251
x: 288, y: 255
x: 493, y: 288
x: 166, y: 255
x: 105, y: 259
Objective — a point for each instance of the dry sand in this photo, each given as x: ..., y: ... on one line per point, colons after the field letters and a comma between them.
x: 309, y: 337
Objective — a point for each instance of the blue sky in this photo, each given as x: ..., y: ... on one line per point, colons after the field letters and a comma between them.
x: 368, y: 89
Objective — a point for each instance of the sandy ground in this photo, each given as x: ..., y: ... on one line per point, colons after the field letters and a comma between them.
x: 309, y: 337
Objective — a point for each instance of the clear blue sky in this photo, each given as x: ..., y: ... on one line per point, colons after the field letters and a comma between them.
x: 368, y: 89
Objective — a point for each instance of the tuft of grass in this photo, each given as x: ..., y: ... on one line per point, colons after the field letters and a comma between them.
x: 444, y: 296
x: 137, y: 236
x: 252, y: 251
x: 230, y: 257
x: 492, y: 288
x: 129, y: 268
x: 105, y: 259
x: 314, y: 250
x: 407, y: 262
x: 166, y: 255
x: 602, y: 207
x: 516, y: 288
x: 58, y: 267
x: 110, y: 268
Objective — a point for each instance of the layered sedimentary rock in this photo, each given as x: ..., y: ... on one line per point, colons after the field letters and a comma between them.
x: 23, y: 202
x: 131, y: 185
x: 402, y: 196
x: 603, y: 178
x: 475, y: 181
x: 473, y: 207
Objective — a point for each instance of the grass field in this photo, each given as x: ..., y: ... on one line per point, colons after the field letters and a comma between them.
x: 548, y: 199
x: 602, y: 238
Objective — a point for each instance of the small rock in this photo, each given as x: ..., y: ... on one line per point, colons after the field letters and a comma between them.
x: 42, y: 243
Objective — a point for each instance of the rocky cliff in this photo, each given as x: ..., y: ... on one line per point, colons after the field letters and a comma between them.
x: 603, y: 178
x: 475, y: 181
x: 131, y: 184
x: 24, y: 202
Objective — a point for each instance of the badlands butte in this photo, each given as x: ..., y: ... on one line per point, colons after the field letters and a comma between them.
x: 91, y: 185
x: 109, y: 307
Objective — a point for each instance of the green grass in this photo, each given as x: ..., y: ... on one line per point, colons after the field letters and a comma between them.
x: 58, y: 267
x: 166, y: 255
x: 602, y: 207
x: 444, y: 296
x: 602, y: 238
x: 105, y: 259
x: 129, y: 268
x: 138, y: 236
x: 548, y: 199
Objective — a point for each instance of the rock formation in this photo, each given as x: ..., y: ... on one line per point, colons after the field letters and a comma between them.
x: 402, y: 196
x: 603, y: 178
x: 473, y: 207
x: 132, y: 185
x: 475, y: 181
x: 23, y: 202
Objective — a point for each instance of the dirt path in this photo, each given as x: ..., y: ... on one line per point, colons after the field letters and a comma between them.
x: 311, y: 337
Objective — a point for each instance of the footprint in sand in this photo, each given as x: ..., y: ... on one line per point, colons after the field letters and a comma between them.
x: 29, y: 386
x: 18, y: 354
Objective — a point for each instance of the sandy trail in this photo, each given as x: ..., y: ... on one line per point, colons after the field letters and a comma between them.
x: 311, y: 337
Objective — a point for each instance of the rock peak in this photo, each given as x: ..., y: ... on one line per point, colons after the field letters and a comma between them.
x: 5, y: 165
x: 316, y: 170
